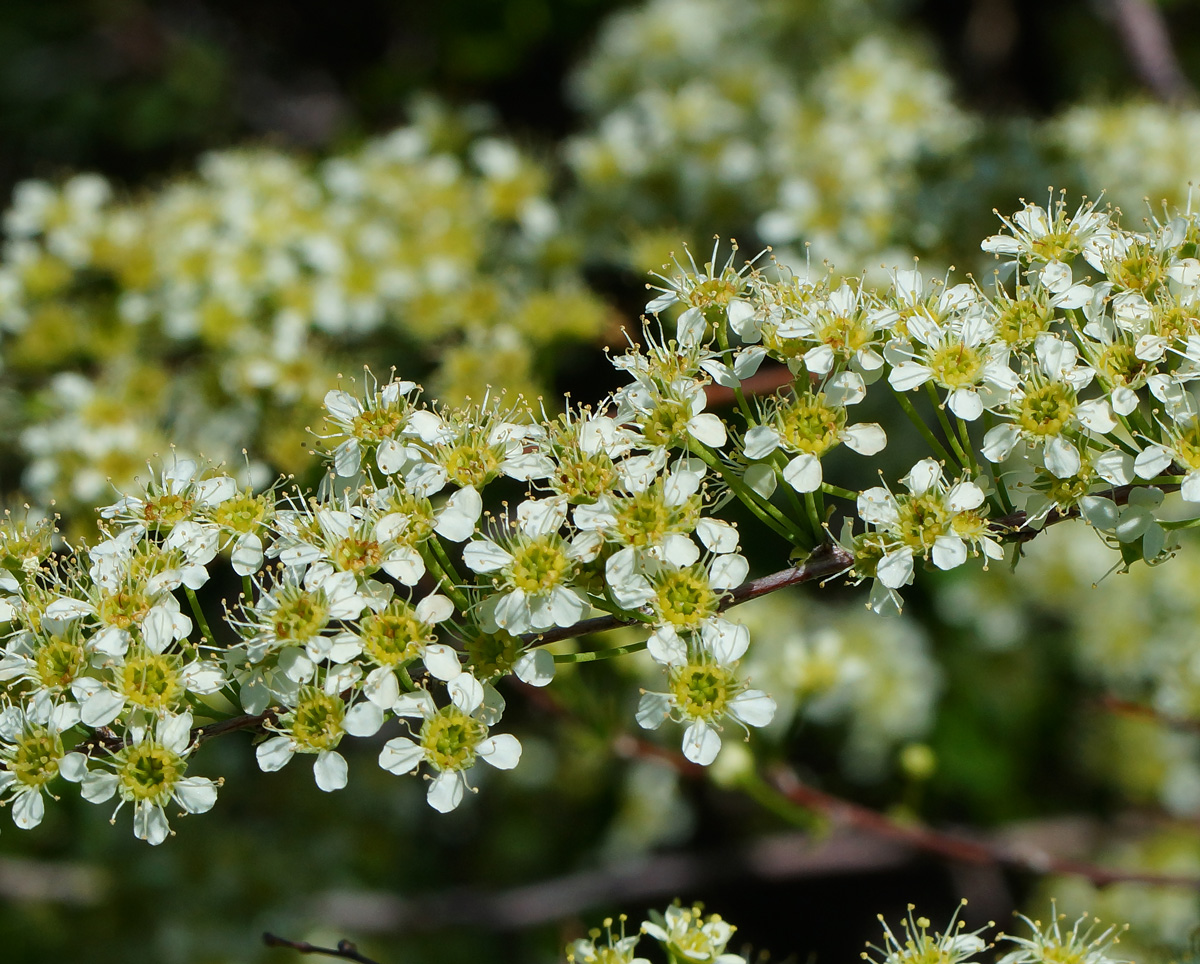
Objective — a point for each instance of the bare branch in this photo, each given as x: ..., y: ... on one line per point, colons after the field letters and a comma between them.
x: 345, y: 949
x: 844, y: 813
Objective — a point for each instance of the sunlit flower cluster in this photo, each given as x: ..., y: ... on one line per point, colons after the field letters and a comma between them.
x: 449, y: 546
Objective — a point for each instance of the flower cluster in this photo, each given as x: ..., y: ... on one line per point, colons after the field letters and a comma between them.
x: 223, y: 304
x: 451, y: 546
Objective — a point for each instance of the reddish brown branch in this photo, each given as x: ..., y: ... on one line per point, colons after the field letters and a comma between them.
x: 846, y: 814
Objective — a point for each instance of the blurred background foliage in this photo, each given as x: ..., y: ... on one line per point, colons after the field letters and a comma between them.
x: 474, y: 192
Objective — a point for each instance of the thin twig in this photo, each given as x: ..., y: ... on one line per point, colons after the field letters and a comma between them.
x: 345, y: 949
x: 1129, y: 708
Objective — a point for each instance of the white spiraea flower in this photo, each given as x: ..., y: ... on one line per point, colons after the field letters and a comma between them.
x: 149, y: 773
x: 315, y: 725
x: 917, y: 944
x: 32, y: 756
x: 398, y: 634
x: 1046, y: 410
x: 373, y: 423
x: 450, y: 739
x: 932, y: 520
x: 704, y: 690
x: 808, y: 426
x: 961, y: 356
x: 686, y: 934
x: 533, y: 571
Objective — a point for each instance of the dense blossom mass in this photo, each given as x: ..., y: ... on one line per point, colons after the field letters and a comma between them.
x: 409, y: 589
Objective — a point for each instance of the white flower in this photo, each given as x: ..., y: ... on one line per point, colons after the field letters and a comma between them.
x: 316, y: 725
x: 450, y: 740
x: 811, y: 424
x: 704, y: 689
x: 32, y: 755
x: 149, y: 773
x: 533, y: 573
x: 933, y: 519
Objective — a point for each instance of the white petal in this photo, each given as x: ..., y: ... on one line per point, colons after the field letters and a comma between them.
x: 803, y: 473
x: 483, y: 555
x: 434, y: 609
x: 150, y: 823
x: 195, y: 794
x: 405, y: 565
x: 381, y: 687
x: 28, y: 809
x: 457, y: 519
x: 667, y: 647
x: 330, y: 769
x: 923, y: 476
x: 73, y: 767
x: 1151, y: 461
x: 909, y: 375
x: 535, y: 667
x: 1115, y: 467
x: 999, y: 442
x: 98, y: 786
x: 247, y: 554
x: 653, y: 710
x: 865, y: 438
x: 401, y: 755
x: 363, y: 719
x: 964, y: 496
x: 347, y: 458
x: 753, y: 707
x: 761, y: 480
x: 679, y: 550
x: 102, y: 708
x: 707, y: 429
x: 728, y: 571
x: 965, y: 403
x: 342, y: 405
x: 701, y: 743
x: 949, y: 552
x: 1062, y: 458
x: 465, y: 692
x: 727, y: 641
x: 895, y: 569
x: 502, y: 751
x: 391, y: 456
x: 1190, y: 489
x: 690, y: 328
x: 274, y: 754
x: 446, y: 791
x: 717, y: 536
x: 760, y: 441
x: 441, y: 660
